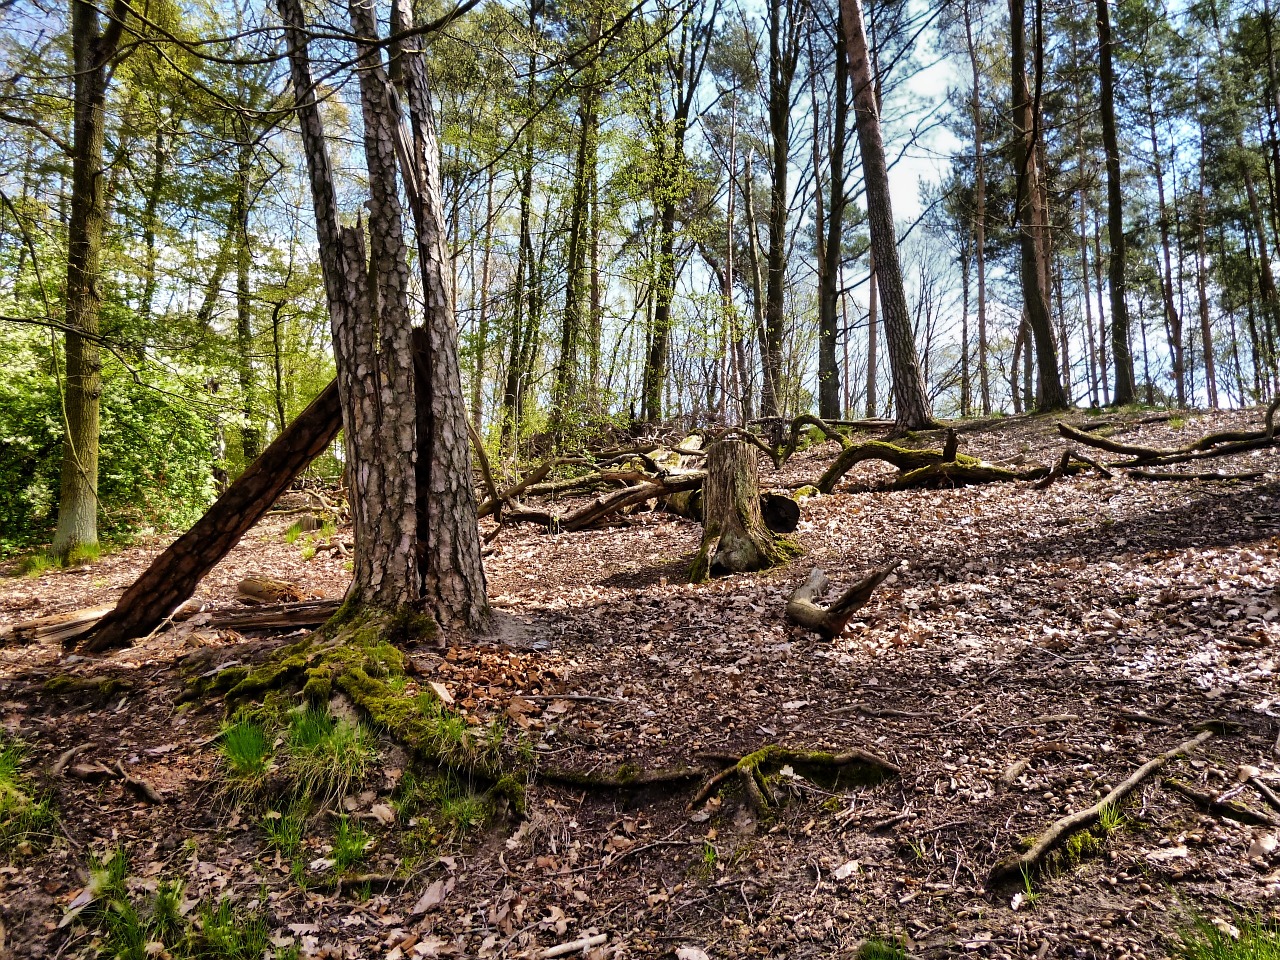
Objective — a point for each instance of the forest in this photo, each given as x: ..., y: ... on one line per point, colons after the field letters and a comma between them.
x: 680, y: 479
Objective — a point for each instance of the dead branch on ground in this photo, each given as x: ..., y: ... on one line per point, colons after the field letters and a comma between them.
x: 831, y: 621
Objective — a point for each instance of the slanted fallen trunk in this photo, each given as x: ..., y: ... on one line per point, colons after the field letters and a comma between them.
x: 831, y: 621
x: 174, y: 575
x: 735, y: 538
x: 606, y: 506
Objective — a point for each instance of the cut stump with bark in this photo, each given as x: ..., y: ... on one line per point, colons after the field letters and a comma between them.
x: 735, y: 538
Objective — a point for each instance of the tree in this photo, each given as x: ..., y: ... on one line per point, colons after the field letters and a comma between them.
x: 414, y: 516
x: 912, y: 410
x: 1124, y: 390
x: 1033, y: 216
x: 94, y: 49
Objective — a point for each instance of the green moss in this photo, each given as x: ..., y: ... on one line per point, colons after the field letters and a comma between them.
x: 104, y: 688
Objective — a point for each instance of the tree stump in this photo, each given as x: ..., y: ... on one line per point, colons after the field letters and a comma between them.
x: 735, y: 538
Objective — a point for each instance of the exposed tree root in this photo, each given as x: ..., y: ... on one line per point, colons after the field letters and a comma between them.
x: 754, y: 770
x: 1184, y: 476
x: 1013, y: 869
x: 1220, y: 808
x: 830, y: 622
x: 625, y: 777
x: 1223, y: 444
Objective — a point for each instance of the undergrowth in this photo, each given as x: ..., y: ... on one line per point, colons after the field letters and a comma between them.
x: 26, y: 821
x: 1244, y: 938
x: 164, y: 923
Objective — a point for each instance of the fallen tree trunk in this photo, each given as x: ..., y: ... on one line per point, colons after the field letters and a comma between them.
x: 604, y: 506
x: 1013, y: 869
x: 258, y: 589
x: 1185, y: 476
x: 174, y: 575
x: 831, y: 621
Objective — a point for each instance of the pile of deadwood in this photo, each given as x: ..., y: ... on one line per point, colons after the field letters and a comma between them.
x: 669, y: 473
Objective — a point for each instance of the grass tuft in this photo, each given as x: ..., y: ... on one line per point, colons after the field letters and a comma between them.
x: 327, y: 756
x: 284, y: 830
x: 350, y: 843
x: 875, y: 949
x: 1243, y: 938
x: 26, y: 821
x: 246, y: 751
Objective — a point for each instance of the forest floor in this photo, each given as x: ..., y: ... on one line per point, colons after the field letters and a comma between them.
x: 1033, y: 650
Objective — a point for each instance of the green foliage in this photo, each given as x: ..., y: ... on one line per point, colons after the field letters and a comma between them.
x: 876, y: 949
x: 326, y: 757
x: 284, y: 830
x: 26, y: 822
x: 246, y: 751
x: 1257, y: 939
x: 350, y: 843
x: 154, y: 461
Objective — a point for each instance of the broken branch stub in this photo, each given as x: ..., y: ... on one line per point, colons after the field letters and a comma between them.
x: 802, y: 608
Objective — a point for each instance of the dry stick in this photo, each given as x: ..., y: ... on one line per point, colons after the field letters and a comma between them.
x: 1221, y: 808
x: 1266, y: 792
x: 573, y: 946
x: 1210, y: 476
x: 1014, y: 867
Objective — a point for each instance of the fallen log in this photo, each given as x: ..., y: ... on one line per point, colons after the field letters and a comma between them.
x: 1224, y: 444
x: 1014, y: 869
x: 604, y: 506
x: 58, y: 627
x: 831, y: 621
x: 66, y: 626
x: 174, y: 575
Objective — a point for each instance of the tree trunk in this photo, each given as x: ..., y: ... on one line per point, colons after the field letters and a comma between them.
x: 735, y: 538
x: 1125, y: 390
x: 980, y: 207
x: 250, y: 435
x: 93, y: 51
x: 830, y: 248
x: 1202, y: 287
x: 1032, y: 219
x: 911, y: 401
x: 453, y: 586
x: 873, y: 326
x: 1173, y: 320
x: 174, y: 575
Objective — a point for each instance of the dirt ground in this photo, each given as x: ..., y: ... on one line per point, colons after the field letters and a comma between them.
x: 1032, y: 651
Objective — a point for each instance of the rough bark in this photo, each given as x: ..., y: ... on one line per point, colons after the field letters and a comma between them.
x: 735, y: 538
x: 911, y: 400
x: 1032, y: 219
x: 831, y: 246
x: 174, y: 575
x: 980, y: 207
x: 92, y: 53
x: 1124, y: 390
x: 831, y: 620
x: 452, y: 574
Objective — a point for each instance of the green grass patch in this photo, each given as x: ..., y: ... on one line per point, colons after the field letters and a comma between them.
x: 875, y: 949
x: 163, y: 924
x: 1242, y: 938
x: 327, y: 757
x: 246, y: 752
x: 284, y: 829
x: 26, y: 820
x: 350, y: 843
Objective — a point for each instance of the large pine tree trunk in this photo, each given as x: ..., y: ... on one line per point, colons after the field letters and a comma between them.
x: 452, y: 573
x: 92, y: 52
x: 911, y: 401
x: 735, y: 538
